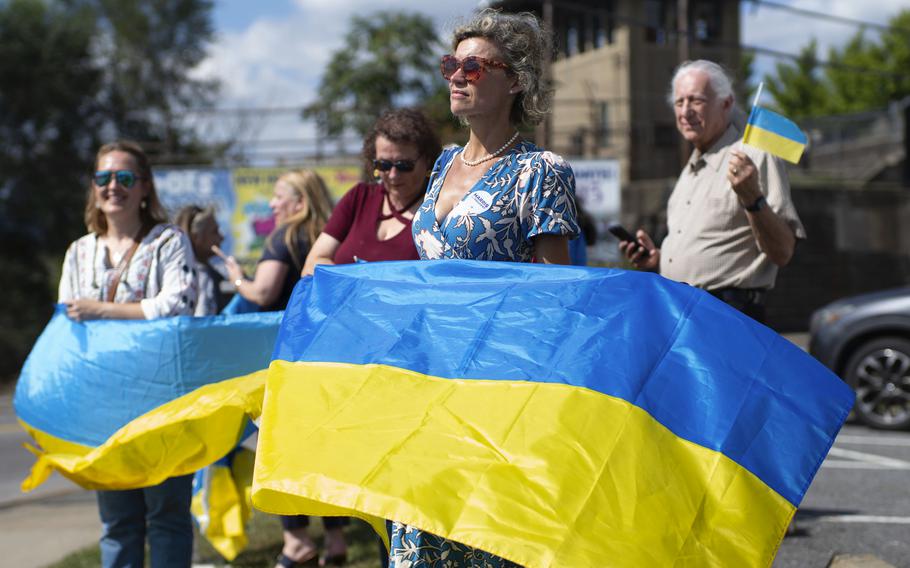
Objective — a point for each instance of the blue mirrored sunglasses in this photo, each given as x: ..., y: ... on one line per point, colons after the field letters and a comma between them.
x: 126, y: 178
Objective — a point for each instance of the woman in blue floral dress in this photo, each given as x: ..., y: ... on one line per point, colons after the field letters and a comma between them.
x: 497, y: 198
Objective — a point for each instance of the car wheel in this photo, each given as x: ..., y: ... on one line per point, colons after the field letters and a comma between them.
x: 879, y: 372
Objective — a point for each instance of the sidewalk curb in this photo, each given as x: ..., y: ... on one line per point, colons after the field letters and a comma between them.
x: 857, y: 561
x: 35, y: 499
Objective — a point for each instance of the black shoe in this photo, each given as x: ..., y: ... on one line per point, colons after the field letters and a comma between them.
x: 285, y: 562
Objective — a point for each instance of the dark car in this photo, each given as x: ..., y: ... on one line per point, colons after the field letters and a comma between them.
x: 866, y: 340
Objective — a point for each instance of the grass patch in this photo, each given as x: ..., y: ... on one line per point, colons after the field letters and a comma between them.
x: 264, y: 533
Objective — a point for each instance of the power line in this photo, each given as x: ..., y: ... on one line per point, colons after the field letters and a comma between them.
x: 672, y: 33
x: 812, y: 14
x: 821, y: 62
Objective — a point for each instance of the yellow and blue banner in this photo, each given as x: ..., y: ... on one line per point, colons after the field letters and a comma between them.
x: 554, y: 416
x: 775, y: 134
x: 127, y: 404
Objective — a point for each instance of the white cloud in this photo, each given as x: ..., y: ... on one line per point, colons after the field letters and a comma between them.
x: 788, y: 32
x: 278, y: 62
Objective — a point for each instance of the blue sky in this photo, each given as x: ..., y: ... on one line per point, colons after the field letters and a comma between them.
x: 271, y: 53
x: 236, y: 15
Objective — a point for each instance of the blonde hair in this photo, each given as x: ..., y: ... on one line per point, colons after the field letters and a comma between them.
x: 151, y: 214
x: 317, y: 206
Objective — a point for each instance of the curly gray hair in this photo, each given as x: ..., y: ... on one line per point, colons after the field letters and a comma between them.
x: 525, y: 43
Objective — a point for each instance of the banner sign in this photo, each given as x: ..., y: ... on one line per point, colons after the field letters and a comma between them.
x: 241, y: 198
x: 598, y: 190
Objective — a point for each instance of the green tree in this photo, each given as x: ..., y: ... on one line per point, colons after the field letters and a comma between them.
x: 745, y: 88
x: 895, y: 49
x: 798, y: 88
x: 73, y: 74
x: 851, y: 89
x: 49, y: 118
x: 389, y: 59
x: 149, y: 48
x: 863, y: 74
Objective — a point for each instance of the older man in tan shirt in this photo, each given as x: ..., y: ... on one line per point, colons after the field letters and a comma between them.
x: 731, y: 223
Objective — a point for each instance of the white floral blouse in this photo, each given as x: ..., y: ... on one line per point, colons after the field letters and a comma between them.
x: 160, y: 275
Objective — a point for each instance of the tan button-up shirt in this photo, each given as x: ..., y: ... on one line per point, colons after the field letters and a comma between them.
x: 710, y: 243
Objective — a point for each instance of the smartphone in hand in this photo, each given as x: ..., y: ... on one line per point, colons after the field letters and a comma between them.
x: 622, y: 234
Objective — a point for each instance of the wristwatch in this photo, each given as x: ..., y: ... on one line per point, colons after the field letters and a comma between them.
x: 757, y: 205
x: 238, y: 282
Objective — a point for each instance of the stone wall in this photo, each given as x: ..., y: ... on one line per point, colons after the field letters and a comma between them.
x: 858, y: 241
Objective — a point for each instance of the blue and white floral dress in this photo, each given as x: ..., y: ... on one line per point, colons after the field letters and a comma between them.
x: 526, y: 193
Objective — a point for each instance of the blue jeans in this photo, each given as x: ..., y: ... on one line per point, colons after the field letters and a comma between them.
x: 162, y: 512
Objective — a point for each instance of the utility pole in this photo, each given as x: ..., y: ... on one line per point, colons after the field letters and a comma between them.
x: 682, y: 42
x: 682, y: 29
x: 542, y: 132
x: 906, y: 102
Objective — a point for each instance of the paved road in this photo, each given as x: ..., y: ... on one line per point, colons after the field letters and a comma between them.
x: 42, y: 527
x: 858, y: 504
x: 16, y: 461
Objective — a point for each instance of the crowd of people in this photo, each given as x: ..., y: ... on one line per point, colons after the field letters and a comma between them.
x: 499, y: 197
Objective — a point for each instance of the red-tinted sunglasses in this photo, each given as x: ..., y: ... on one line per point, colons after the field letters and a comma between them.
x: 472, y: 66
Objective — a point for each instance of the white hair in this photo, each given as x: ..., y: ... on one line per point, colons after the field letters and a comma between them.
x: 718, y: 78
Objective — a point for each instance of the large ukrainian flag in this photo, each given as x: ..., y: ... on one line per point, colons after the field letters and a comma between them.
x: 775, y: 134
x: 127, y: 404
x: 555, y: 416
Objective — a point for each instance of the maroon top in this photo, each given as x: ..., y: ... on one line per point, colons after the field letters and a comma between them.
x: 354, y: 222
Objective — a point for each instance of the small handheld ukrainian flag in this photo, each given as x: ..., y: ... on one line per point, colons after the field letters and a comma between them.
x: 773, y: 133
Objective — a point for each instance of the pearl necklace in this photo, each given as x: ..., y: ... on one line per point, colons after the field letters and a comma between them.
x: 472, y: 163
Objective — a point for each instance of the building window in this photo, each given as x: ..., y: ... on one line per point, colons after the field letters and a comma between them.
x: 707, y: 16
x: 573, y: 39
x: 600, y: 37
x: 602, y: 26
x: 659, y: 18
x: 577, y: 141
x: 603, y: 124
x: 664, y: 135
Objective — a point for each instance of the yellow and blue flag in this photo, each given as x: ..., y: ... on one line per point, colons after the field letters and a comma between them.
x: 554, y: 416
x: 221, y: 501
x: 127, y: 404
x: 775, y: 134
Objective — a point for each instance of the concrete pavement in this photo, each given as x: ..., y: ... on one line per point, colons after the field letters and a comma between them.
x: 41, y: 531
x: 46, y: 525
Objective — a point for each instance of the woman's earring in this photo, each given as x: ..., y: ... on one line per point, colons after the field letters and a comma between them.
x: 144, y: 203
x: 376, y: 174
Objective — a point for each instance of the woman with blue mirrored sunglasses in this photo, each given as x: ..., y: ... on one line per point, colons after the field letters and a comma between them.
x: 132, y: 264
x: 126, y: 178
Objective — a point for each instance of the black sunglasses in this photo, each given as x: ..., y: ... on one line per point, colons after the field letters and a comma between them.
x: 400, y: 165
x: 126, y: 178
